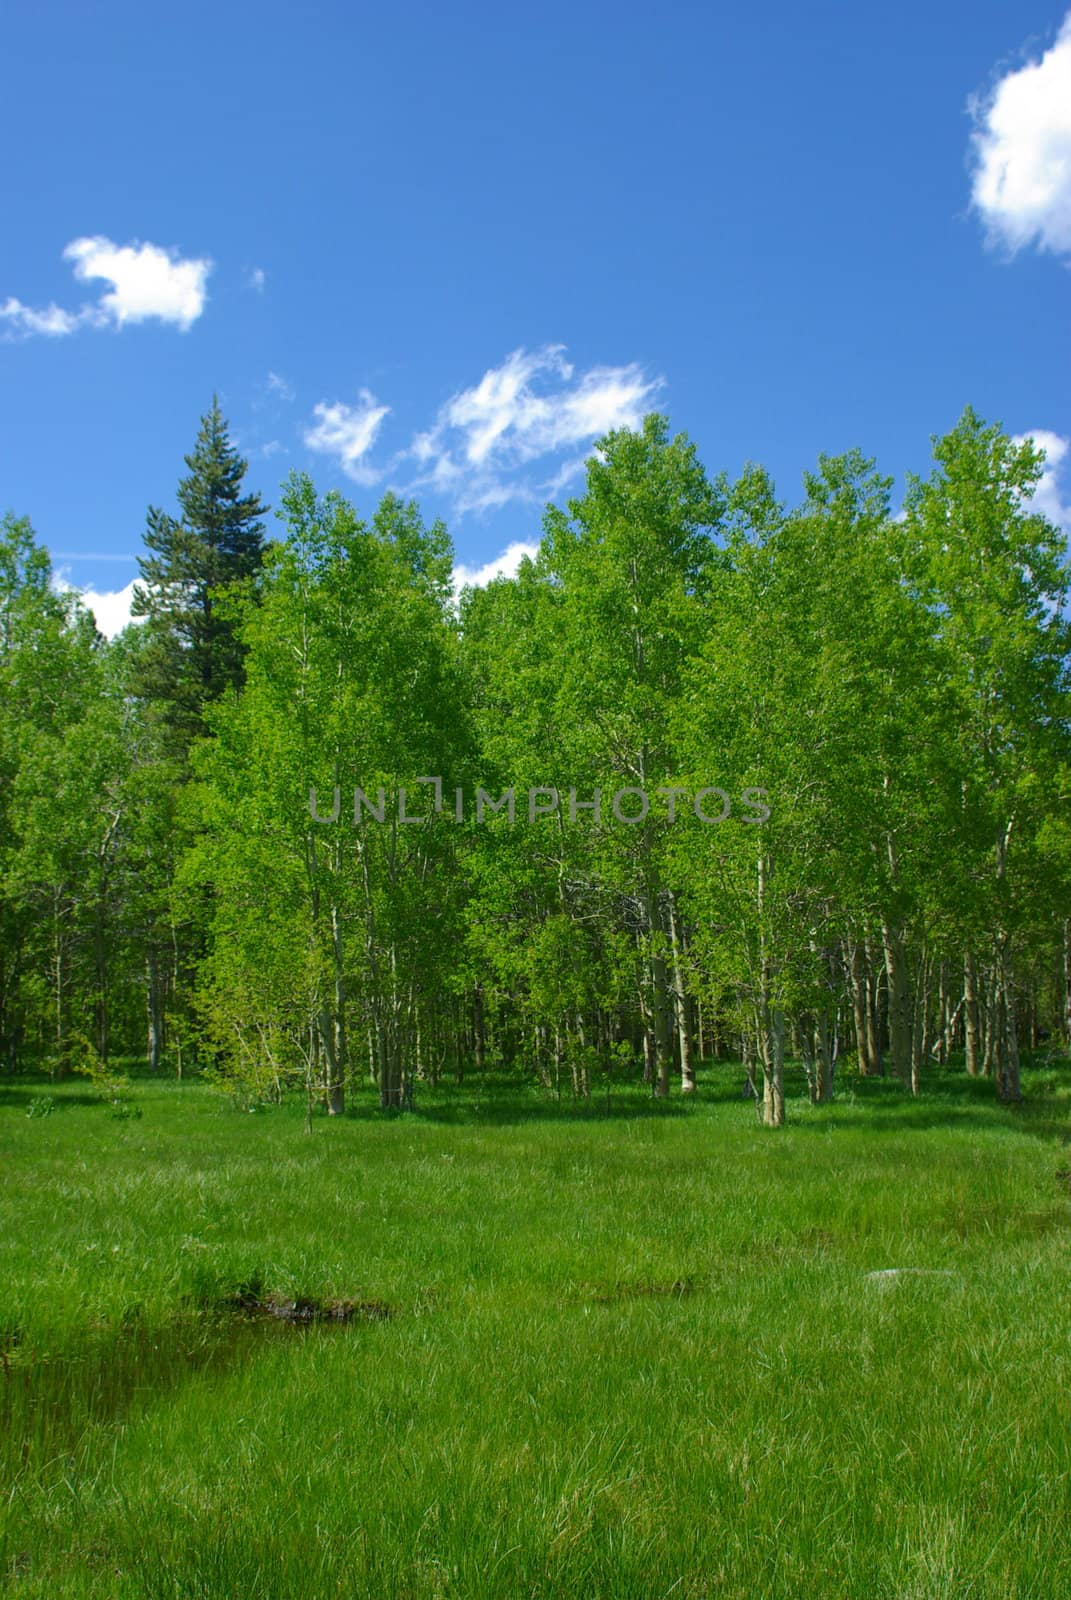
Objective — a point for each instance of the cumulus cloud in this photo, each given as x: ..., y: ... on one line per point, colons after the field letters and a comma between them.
x: 1022, y: 152
x: 146, y: 283
x: 502, y: 566
x: 348, y: 433
x: 110, y: 607
x: 1048, y: 497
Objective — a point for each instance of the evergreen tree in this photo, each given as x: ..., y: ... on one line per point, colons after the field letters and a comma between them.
x: 214, y: 546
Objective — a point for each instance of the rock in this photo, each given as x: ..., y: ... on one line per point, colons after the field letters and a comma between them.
x: 888, y: 1275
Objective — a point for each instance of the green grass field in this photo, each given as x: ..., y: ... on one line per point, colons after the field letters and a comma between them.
x: 632, y: 1351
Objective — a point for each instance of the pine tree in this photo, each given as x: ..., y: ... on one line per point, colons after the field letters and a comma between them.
x: 193, y: 654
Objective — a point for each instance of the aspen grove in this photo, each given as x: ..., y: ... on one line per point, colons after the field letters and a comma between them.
x: 891, y: 683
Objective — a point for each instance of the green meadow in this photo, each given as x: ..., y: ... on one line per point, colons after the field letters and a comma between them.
x: 631, y: 1349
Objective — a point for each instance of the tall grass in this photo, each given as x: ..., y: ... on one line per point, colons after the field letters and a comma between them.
x: 634, y: 1351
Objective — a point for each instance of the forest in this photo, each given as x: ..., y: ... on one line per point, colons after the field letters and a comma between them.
x: 875, y: 701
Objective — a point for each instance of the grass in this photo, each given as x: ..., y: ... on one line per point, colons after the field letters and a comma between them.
x: 633, y: 1351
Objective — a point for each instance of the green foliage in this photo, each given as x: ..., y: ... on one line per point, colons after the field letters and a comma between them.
x: 192, y: 653
x: 112, y: 1087
x: 895, y: 691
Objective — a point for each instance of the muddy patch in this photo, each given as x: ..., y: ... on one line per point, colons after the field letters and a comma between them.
x: 302, y: 1312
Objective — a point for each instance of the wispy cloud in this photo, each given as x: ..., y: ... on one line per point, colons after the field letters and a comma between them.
x: 498, y: 441
x: 348, y: 433
x: 146, y: 282
x: 566, y: 474
x: 533, y: 406
x: 1048, y: 497
x: 256, y: 278
x: 50, y: 320
x: 490, y: 494
x: 277, y: 385
x: 1022, y: 152
x: 91, y: 555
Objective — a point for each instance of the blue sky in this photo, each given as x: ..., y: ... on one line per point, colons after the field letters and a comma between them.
x: 438, y: 248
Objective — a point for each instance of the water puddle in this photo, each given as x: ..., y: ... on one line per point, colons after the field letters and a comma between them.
x: 49, y: 1400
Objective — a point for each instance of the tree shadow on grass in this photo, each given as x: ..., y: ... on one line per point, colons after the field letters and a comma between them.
x: 506, y: 1110
x: 948, y: 1099
x: 21, y: 1093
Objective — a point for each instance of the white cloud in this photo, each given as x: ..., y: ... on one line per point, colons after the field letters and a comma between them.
x: 1048, y: 496
x: 278, y: 385
x: 533, y: 405
x: 480, y: 450
x: 92, y: 555
x: 110, y: 607
x: 146, y: 281
x: 50, y: 320
x: 1022, y: 152
x: 256, y: 279
x: 348, y: 433
x: 502, y: 566
x: 506, y: 418
x: 566, y: 473
x: 490, y: 494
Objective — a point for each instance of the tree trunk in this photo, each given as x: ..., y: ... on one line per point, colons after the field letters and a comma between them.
x: 920, y: 1025
x: 773, y: 1068
x: 391, y: 1085
x: 901, y: 1017
x: 680, y: 1002
x: 1067, y: 985
x: 771, y: 1025
x: 1008, y: 1086
x: 336, y: 1055
x: 61, y: 996
x: 873, y: 1016
x: 972, y: 1024
x: 942, y: 1014
x: 660, y: 1002
x: 479, y: 1034
x: 154, y: 999
x: 857, y: 974
x: 990, y: 1023
x: 823, y: 1077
